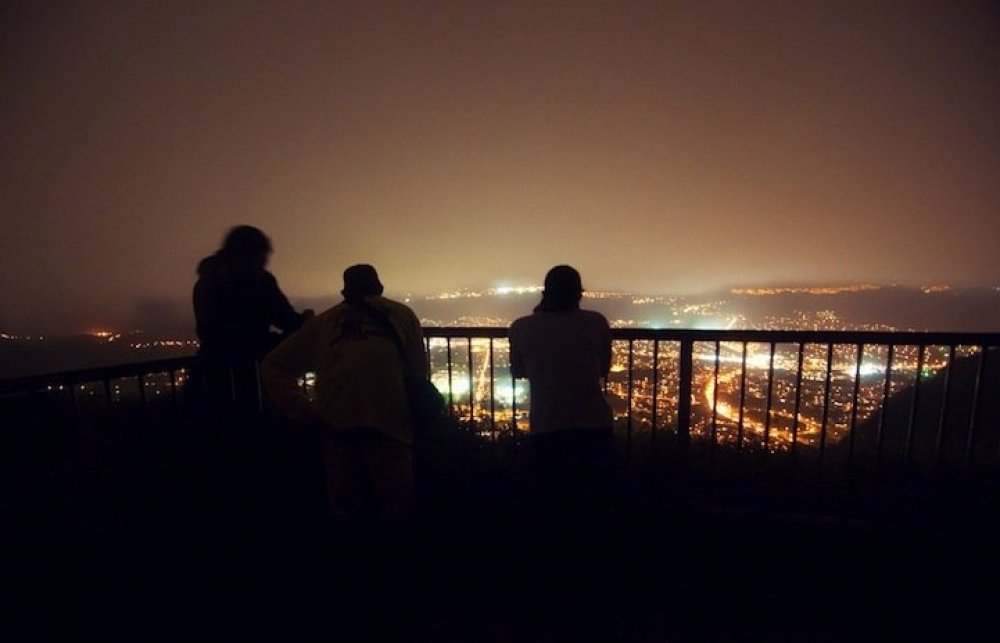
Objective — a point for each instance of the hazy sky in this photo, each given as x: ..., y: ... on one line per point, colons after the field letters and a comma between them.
x: 658, y: 146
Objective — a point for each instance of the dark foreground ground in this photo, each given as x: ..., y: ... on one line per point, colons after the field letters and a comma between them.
x: 183, y: 530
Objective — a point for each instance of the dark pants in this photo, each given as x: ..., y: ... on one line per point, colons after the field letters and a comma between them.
x: 369, y: 477
x: 573, y: 489
x: 230, y: 385
x: 573, y: 467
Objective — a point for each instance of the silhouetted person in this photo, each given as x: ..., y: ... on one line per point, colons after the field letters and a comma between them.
x: 361, y: 404
x: 565, y: 353
x: 237, y: 303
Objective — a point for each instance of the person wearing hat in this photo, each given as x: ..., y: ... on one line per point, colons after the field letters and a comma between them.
x: 565, y: 353
x: 361, y: 402
x: 237, y: 302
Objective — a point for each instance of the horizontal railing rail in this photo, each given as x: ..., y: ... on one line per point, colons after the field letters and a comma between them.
x: 34, y: 383
x: 907, y: 396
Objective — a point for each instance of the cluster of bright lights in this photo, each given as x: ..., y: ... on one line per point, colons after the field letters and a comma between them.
x: 805, y: 290
x: 20, y: 337
x: 457, y: 294
x: 167, y: 343
x: 516, y: 290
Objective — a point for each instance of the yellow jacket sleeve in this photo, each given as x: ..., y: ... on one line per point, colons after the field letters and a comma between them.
x: 283, y: 367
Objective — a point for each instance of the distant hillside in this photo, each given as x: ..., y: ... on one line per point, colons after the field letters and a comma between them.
x: 968, y: 310
x: 955, y: 437
x: 956, y: 310
x: 20, y: 357
x: 971, y: 310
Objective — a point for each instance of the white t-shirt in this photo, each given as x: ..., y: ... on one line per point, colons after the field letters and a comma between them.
x: 564, y: 355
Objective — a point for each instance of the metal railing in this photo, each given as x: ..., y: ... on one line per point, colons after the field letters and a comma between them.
x: 826, y: 395
x: 907, y: 397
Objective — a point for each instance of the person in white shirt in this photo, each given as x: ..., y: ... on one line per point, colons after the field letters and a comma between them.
x: 565, y: 353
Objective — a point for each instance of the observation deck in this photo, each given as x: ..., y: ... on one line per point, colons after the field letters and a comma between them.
x: 775, y: 486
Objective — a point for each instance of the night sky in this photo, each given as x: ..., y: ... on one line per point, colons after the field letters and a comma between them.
x: 665, y: 147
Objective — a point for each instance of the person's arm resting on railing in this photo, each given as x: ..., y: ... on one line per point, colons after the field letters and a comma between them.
x: 285, y: 365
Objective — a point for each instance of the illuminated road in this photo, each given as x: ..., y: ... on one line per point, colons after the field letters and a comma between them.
x: 808, y: 428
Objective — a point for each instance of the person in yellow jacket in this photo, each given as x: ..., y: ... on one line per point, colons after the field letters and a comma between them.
x: 361, y: 402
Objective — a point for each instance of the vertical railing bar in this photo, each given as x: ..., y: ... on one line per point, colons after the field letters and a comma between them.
x: 945, y: 400
x: 513, y: 405
x: 656, y: 389
x: 73, y: 400
x: 970, y: 443
x: 451, y: 385
x: 854, y: 401
x: 427, y: 354
x: 826, y: 401
x: 798, y: 398
x: 684, y: 395
x: 472, y: 390
x: 109, y: 398
x: 770, y: 396
x: 493, y: 406
x: 33, y: 404
x: 259, y: 386
x: 606, y: 377
x: 173, y: 387
x: 886, y: 392
x: 743, y: 398
x: 629, y: 394
x: 715, y: 395
x: 912, y: 422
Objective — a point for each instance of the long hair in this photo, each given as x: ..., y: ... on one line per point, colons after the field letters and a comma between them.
x: 246, y: 245
x: 563, y: 290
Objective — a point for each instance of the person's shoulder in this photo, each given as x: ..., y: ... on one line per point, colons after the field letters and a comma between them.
x: 208, y: 267
x: 534, y: 325
x: 333, y: 311
x: 393, y: 307
x: 593, y: 317
x: 388, y: 304
x: 326, y: 319
x: 523, y: 322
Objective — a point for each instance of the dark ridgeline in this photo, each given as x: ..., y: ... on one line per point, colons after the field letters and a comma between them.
x: 930, y: 425
x: 971, y: 309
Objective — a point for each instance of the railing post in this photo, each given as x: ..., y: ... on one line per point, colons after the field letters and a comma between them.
x: 945, y: 406
x: 656, y: 387
x: 472, y: 388
x: 970, y: 441
x: 493, y: 405
x: 684, y: 395
x: 629, y: 397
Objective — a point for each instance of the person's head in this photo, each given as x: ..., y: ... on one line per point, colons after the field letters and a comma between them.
x: 247, y: 245
x: 563, y: 290
x: 361, y: 280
